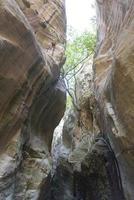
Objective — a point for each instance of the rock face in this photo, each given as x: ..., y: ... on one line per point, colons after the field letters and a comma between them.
x: 111, y: 103
x: 32, y: 96
x: 98, y: 137
x: 85, y: 166
x: 100, y: 134
x: 93, y: 158
x: 114, y: 83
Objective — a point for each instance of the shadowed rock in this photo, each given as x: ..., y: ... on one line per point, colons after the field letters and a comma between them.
x: 32, y: 98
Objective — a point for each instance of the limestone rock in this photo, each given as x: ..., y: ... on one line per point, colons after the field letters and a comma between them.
x: 114, y: 82
x: 32, y: 96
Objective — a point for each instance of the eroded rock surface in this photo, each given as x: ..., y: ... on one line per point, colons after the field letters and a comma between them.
x: 85, y: 167
x: 98, y: 132
x: 32, y: 96
x: 93, y: 157
x: 114, y: 83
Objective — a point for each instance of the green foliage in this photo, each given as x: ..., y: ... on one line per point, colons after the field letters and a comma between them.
x: 78, y: 47
x: 69, y: 102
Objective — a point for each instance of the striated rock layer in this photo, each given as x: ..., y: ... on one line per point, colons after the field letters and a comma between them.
x: 114, y: 83
x: 93, y: 158
x: 32, y: 96
x: 98, y: 137
x: 84, y: 164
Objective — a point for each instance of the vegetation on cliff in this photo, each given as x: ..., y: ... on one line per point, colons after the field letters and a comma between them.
x: 79, y: 49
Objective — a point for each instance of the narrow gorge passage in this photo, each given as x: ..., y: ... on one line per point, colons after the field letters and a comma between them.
x: 66, y: 100
x: 98, y: 178
x: 81, y: 170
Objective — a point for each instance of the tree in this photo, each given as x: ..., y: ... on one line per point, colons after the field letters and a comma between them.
x: 79, y: 48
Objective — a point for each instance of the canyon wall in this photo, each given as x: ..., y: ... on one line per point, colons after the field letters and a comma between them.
x: 114, y: 83
x: 93, y: 156
x: 32, y: 95
x: 95, y: 150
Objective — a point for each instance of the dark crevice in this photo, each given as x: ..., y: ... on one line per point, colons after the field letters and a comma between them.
x: 98, y: 179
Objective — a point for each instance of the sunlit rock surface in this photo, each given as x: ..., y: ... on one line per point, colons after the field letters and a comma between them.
x: 32, y: 96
